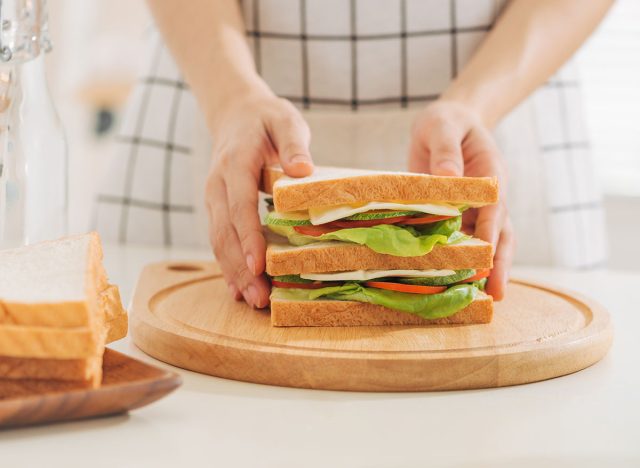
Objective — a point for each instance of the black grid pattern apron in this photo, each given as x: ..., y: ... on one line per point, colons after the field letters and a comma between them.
x: 359, y: 70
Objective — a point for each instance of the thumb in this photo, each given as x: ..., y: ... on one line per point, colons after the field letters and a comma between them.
x: 291, y: 138
x: 445, y: 153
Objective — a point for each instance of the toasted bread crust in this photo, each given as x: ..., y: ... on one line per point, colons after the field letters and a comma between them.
x: 87, y: 369
x: 378, y: 187
x: 116, y: 318
x: 48, y: 342
x: 329, y: 313
x: 342, y: 256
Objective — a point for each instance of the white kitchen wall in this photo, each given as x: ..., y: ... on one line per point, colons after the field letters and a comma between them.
x: 94, y: 62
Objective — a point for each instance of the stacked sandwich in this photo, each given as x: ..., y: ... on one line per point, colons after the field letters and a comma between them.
x: 57, y: 310
x: 351, y: 247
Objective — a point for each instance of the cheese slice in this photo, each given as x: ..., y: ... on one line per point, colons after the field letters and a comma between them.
x: 326, y: 214
x: 365, y: 275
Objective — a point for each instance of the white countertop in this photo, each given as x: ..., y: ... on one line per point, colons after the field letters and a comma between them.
x: 588, y: 419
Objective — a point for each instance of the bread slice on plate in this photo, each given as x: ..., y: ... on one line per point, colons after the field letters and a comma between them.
x: 57, y: 310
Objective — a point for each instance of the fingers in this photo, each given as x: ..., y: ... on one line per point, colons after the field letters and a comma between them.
x: 418, y: 156
x: 228, y: 251
x: 489, y: 223
x: 291, y: 137
x: 445, y: 151
x: 242, y: 195
x: 502, y: 263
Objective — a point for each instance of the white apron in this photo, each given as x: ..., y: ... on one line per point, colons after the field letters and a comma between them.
x: 359, y: 70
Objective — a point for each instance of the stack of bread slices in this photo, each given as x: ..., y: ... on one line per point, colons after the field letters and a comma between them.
x: 57, y: 311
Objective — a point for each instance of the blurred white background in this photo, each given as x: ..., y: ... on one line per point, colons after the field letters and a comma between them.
x: 99, y: 46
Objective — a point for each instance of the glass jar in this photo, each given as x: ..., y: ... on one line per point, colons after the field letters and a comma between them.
x: 33, y: 150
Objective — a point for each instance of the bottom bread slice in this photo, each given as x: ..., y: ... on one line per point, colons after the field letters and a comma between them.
x: 88, y: 370
x: 332, y: 313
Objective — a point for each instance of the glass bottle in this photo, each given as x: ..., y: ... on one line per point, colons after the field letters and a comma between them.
x: 33, y: 150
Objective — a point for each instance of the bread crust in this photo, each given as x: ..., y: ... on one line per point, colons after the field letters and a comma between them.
x: 343, y: 256
x: 88, y: 369
x: 377, y: 186
x: 331, y: 313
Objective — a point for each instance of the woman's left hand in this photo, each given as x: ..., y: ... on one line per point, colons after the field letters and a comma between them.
x: 450, y: 139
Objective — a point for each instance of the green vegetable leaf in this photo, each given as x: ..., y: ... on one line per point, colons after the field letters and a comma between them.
x: 400, y: 241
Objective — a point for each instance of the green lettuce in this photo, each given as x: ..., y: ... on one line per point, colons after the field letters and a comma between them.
x: 429, y: 306
x: 400, y: 241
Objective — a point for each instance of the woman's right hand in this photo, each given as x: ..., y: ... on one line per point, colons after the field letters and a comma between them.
x: 253, y: 131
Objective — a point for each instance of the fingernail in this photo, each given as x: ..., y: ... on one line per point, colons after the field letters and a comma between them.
x: 449, y: 167
x: 300, y: 158
x: 251, y: 264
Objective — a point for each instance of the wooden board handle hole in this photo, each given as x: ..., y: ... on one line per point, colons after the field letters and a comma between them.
x: 184, y: 267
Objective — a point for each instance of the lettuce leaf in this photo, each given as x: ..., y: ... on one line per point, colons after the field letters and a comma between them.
x: 400, y: 241
x: 429, y: 306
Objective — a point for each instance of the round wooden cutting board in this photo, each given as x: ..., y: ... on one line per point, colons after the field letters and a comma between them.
x: 182, y: 314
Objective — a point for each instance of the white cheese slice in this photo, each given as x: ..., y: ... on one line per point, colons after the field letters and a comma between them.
x: 331, y: 213
x: 365, y: 275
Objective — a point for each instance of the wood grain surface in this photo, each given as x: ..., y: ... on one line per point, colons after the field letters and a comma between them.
x: 127, y: 384
x: 182, y: 314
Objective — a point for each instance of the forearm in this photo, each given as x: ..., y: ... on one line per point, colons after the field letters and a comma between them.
x: 207, y: 40
x: 530, y: 41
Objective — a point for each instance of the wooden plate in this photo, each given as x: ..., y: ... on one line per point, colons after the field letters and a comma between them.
x: 182, y: 314
x: 127, y: 384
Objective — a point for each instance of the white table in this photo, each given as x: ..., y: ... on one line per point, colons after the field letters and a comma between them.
x: 588, y: 419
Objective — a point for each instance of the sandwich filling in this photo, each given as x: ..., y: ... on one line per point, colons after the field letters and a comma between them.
x: 399, y: 229
x: 430, y: 294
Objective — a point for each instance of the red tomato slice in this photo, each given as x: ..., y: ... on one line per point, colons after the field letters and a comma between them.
x: 426, y: 219
x: 367, y: 222
x: 408, y: 288
x: 315, y: 231
x: 484, y: 273
x: 282, y: 284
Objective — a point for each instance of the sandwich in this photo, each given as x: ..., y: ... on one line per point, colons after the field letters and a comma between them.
x: 57, y: 311
x: 351, y: 247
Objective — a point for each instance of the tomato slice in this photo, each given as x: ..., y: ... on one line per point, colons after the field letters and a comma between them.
x: 315, y: 231
x: 426, y: 219
x: 282, y: 284
x: 484, y: 273
x: 368, y: 222
x: 408, y: 288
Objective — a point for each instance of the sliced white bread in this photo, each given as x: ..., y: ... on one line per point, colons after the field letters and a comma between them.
x: 52, y: 283
x: 116, y: 318
x: 87, y: 369
x: 329, y: 186
x: 64, y: 343
x: 331, y: 313
x: 321, y: 257
x: 52, y: 310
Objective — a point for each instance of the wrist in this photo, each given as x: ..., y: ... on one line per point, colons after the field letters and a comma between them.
x: 236, y: 94
x: 473, y: 100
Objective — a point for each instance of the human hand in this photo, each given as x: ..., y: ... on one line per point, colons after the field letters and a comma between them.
x: 450, y: 139
x: 254, y: 131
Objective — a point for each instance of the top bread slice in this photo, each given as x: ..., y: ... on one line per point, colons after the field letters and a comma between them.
x: 53, y: 283
x: 329, y: 186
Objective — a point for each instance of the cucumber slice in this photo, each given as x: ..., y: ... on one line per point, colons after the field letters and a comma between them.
x: 287, y: 219
x: 379, y: 215
x: 291, y: 279
x: 460, y: 275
